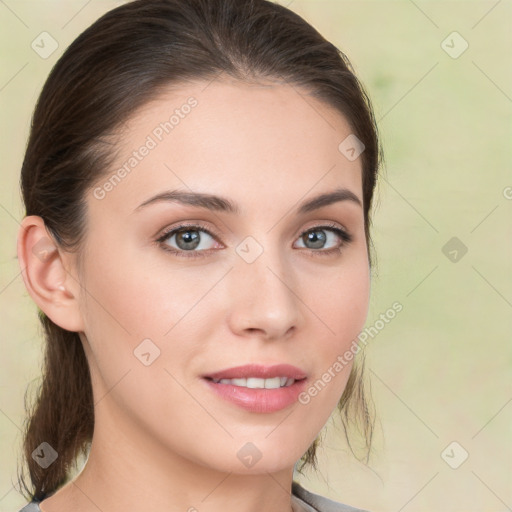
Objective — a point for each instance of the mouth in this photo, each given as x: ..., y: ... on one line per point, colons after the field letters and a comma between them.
x: 258, y: 388
x: 257, y: 383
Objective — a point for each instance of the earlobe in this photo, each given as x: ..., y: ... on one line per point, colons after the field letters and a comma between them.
x: 45, y: 275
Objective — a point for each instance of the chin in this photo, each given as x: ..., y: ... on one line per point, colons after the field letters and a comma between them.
x: 255, y: 457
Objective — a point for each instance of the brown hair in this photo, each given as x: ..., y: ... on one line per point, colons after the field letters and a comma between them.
x: 122, y: 61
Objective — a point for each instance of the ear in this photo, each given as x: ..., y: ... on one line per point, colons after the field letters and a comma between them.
x: 45, y: 272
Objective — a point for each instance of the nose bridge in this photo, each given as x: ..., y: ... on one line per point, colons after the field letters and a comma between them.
x: 262, y: 291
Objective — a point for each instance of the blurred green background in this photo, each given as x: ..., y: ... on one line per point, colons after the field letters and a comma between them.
x: 440, y: 370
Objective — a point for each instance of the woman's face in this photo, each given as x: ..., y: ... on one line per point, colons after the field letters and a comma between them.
x: 262, y: 283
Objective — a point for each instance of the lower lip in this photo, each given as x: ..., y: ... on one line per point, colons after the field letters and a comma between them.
x: 259, y: 400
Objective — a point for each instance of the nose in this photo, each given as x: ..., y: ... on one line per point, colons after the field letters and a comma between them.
x: 263, y: 298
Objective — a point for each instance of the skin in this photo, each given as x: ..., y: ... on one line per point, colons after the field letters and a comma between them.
x: 163, y: 440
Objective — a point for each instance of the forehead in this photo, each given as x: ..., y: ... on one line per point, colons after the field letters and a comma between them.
x: 232, y: 138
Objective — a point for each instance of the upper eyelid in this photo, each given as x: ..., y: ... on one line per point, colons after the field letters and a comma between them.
x: 167, y: 232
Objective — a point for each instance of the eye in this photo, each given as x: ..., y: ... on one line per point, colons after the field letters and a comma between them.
x: 197, y: 241
x: 318, y: 237
x: 187, y: 238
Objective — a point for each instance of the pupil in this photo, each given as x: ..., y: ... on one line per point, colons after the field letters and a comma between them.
x: 318, y: 241
x: 185, y: 240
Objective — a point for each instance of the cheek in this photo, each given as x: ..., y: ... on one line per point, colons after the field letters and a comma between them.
x: 342, y: 301
x: 137, y: 300
x: 133, y: 309
x: 342, y: 306
x: 131, y: 312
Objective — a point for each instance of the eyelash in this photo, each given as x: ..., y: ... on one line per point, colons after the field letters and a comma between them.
x: 344, y: 235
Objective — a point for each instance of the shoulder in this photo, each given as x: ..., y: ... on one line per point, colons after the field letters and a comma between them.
x: 320, y: 503
x: 31, y: 507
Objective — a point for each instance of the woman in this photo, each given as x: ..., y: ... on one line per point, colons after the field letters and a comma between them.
x: 198, y: 183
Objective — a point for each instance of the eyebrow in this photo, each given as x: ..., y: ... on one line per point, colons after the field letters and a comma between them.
x: 222, y: 204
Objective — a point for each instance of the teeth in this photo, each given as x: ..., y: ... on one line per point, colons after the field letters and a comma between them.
x: 257, y: 383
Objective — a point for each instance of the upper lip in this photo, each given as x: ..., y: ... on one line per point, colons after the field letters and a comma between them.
x: 259, y: 371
